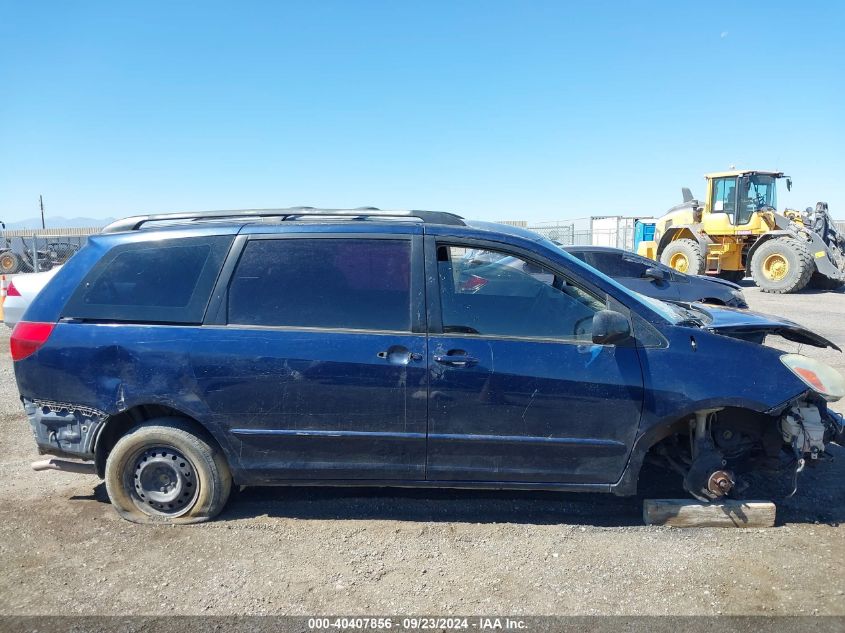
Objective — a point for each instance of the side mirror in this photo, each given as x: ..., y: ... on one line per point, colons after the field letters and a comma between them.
x: 610, y: 327
x: 655, y: 274
x: 531, y: 269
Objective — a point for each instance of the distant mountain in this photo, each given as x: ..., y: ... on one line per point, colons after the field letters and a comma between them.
x: 58, y: 222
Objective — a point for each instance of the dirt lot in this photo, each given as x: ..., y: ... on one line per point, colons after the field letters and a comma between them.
x: 356, y: 551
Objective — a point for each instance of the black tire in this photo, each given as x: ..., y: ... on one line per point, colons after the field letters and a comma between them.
x: 734, y: 276
x: 684, y: 249
x: 820, y: 282
x: 782, y: 265
x: 9, y: 263
x: 173, y: 453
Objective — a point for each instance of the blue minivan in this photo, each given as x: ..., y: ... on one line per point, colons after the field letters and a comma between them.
x: 178, y: 355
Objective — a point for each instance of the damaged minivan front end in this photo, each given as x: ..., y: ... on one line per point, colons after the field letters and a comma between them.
x: 722, y: 450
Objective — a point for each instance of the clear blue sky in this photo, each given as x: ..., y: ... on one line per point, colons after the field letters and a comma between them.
x: 497, y: 110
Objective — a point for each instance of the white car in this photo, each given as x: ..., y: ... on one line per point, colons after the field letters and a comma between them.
x: 20, y: 292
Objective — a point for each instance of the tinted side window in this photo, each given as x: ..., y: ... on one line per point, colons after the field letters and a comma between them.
x: 510, y: 296
x: 167, y: 281
x: 359, y: 284
x: 615, y: 265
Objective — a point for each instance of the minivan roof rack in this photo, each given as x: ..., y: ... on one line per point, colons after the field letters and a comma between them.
x: 135, y: 222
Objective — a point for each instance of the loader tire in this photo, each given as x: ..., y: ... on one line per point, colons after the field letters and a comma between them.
x: 684, y: 255
x: 782, y: 265
x: 9, y: 263
x: 820, y: 282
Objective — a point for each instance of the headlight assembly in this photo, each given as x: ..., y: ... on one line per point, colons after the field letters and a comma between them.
x: 821, y: 378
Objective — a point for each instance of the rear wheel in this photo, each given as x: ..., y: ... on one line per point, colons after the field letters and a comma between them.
x: 684, y: 255
x: 9, y: 263
x: 165, y: 471
x: 782, y: 265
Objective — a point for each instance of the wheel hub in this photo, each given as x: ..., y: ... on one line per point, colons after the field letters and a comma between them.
x: 776, y: 267
x: 165, y: 481
x: 720, y: 483
x: 679, y: 262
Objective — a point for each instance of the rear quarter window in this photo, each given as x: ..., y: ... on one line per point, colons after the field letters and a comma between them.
x: 167, y: 281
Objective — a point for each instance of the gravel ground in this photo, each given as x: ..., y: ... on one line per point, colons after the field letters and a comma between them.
x: 63, y: 550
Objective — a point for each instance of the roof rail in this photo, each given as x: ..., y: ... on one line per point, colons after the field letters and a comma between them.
x: 135, y: 222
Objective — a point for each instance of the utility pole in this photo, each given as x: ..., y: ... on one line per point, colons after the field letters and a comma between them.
x: 41, y: 204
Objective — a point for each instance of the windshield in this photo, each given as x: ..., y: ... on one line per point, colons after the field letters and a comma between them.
x: 756, y: 192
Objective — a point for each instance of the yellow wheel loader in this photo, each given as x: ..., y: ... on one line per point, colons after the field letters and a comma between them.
x: 738, y: 232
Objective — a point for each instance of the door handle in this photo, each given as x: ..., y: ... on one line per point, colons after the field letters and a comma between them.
x: 399, y: 355
x: 456, y: 360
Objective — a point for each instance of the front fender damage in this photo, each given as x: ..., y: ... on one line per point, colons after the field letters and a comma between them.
x: 723, y: 449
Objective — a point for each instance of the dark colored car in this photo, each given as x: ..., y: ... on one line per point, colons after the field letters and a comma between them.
x: 657, y: 280
x: 179, y: 355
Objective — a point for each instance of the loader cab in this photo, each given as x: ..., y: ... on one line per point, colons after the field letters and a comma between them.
x: 735, y: 197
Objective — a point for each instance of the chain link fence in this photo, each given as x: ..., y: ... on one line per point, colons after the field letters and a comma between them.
x: 27, y: 251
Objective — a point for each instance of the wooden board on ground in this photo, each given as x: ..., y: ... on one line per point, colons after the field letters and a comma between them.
x: 689, y: 513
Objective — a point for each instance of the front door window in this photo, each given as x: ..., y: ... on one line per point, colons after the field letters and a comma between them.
x: 495, y: 294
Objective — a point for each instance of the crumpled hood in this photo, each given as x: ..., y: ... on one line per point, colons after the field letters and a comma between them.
x: 743, y: 323
x: 719, y: 280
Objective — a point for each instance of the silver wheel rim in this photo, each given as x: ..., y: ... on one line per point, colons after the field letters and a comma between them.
x: 162, y: 481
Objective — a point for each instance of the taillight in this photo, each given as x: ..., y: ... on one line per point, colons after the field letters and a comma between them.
x: 27, y: 338
x: 11, y: 291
